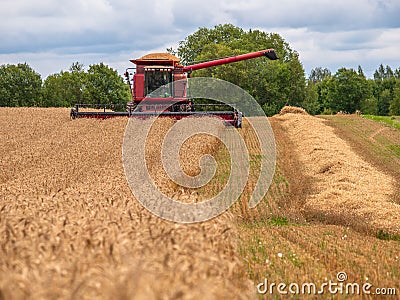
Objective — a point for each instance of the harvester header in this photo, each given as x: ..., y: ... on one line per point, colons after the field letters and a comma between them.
x: 157, y: 70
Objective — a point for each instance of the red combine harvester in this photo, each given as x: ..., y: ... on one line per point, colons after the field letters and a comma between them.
x: 157, y: 70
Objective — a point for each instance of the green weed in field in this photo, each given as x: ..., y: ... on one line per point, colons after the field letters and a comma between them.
x: 382, y: 235
x: 391, y: 121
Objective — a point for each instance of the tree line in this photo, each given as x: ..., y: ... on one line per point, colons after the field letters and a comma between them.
x: 273, y: 84
x: 348, y: 91
x: 21, y: 85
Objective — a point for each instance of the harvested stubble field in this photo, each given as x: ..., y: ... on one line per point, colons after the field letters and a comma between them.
x: 70, y: 227
x: 350, y: 191
x: 376, y: 142
x: 333, y: 213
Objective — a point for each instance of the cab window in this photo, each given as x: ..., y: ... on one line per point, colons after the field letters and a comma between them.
x: 155, y: 79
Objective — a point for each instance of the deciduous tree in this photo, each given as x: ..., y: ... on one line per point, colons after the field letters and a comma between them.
x: 103, y: 85
x: 272, y: 83
x: 394, y: 108
x: 65, y: 88
x: 20, y: 85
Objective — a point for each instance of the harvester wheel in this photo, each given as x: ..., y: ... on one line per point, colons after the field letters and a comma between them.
x: 73, y: 114
x: 130, y: 107
x: 238, y: 119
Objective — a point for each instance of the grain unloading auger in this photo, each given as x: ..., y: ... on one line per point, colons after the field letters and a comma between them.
x: 155, y: 70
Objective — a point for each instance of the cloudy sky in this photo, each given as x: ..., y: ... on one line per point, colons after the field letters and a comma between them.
x: 50, y: 35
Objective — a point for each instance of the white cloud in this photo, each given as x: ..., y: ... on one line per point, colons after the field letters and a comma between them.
x: 50, y: 35
x: 321, y: 15
x: 368, y: 48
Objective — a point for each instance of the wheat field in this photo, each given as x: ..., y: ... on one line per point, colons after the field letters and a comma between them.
x: 70, y: 227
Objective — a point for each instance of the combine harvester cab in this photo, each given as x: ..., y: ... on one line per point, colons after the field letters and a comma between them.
x: 161, y: 81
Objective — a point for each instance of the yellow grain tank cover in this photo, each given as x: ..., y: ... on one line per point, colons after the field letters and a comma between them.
x: 159, y: 57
